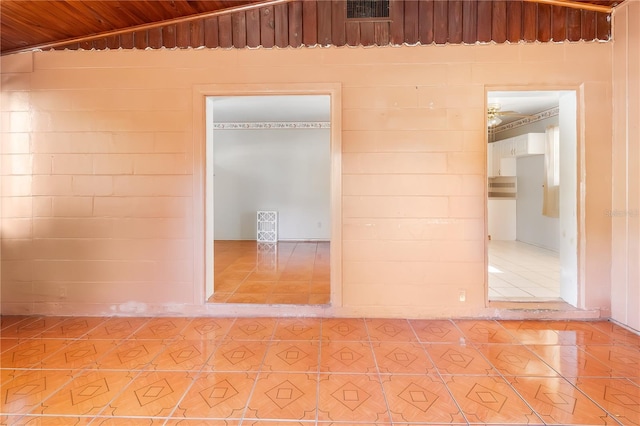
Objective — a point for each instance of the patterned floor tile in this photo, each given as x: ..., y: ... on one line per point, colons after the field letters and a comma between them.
x: 515, y: 360
x: 73, y: 327
x: 252, y: 329
x: 436, y: 331
x: 8, y: 343
x: 26, y: 391
x: 184, y: 355
x: 297, y: 329
x: 344, y: 329
x: 319, y: 298
x: 489, y: 400
x: 623, y: 361
x: 390, y: 330
x: 52, y: 421
x: 292, y: 356
x: 131, y: 355
x: 128, y: 421
x: 7, y: 374
x: 347, y: 397
x: 458, y: 359
x: 31, y: 352
x: 399, y: 357
x: 347, y: 357
x: 9, y: 320
x: 288, y: 298
x: 79, y: 354
x: 581, y: 333
x: 217, y: 396
x: 151, y: 394
x: 162, y: 328
x: 87, y: 394
x: 31, y: 328
x: 268, y: 371
x: 207, y: 328
x: 237, y: 356
x: 420, y: 399
x: 356, y: 424
x: 556, y: 401
x: 619, y: 334
x: 528, y: 333
x: 484, y: 331
x: 284, y: 396
x: 116, y: 328
x: 201, y: 422
x: 571, y: 361
x: 619, y: 397
x: 250, y: 298
x: 276, y: 423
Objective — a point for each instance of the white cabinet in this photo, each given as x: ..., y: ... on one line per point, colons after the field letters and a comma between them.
x: 503, y: 153
x: 508, y: 166
x: 502, y: 219
x: 519, y: 146
x: 494, y: 158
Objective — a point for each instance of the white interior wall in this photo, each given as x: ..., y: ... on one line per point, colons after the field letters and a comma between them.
x: 286, y: 170
x: 568, y: 243
x: 532, y: 227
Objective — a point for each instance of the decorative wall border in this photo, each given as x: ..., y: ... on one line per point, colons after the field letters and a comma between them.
x: 272, y: 125
x: 552, y: 112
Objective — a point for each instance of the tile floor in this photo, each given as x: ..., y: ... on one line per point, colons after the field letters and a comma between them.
x: 297, y: 371
x: 522, y: 272
x: 279, y: 273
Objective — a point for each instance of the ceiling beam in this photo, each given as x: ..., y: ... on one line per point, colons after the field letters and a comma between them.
x: 144, y: 27
x: 575, y: 5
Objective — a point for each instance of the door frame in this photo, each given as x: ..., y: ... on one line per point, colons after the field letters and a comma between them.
x: 579, y: 199
x: 203, y: 192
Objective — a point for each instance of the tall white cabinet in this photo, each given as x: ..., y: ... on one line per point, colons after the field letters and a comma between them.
x: 502, y: 154
x: 501, y: 163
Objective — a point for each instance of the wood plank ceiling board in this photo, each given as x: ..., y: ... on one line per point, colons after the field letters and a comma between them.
x: 27, y: 23
x: 153, y: 24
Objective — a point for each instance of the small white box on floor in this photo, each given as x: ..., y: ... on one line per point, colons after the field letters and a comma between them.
x: 267, y: 226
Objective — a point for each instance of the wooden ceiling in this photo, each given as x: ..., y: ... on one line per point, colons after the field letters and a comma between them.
x: 141, y: 24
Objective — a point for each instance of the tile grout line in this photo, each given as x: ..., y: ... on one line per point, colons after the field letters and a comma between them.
x: 560, y: 376
x: 199, y: 372
x: 139, y: 372
x: 375, y: 361
x: 74, y: 374
x: 258, y: 373
x: 455, y: 401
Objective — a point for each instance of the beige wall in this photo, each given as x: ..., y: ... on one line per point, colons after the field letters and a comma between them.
x: 98, y: 163
x: 625, y: 214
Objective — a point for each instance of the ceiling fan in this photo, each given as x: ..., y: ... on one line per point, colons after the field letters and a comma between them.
x: 494, y: 112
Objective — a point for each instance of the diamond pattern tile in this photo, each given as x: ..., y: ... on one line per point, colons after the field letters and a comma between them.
x: 558, y: 402
x: 284, y: 396
x: 316, y: 371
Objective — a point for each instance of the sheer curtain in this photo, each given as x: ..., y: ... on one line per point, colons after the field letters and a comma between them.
x: 551, y: 190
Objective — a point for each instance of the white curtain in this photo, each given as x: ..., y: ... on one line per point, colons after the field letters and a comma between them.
x: 551, y: 190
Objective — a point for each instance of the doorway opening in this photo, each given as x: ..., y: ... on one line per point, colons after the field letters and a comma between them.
x: 532, y: 225
x: 270, y: 187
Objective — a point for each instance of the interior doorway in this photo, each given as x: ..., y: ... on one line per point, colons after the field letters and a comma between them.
x: 532, y: 220
x: 269, y: 164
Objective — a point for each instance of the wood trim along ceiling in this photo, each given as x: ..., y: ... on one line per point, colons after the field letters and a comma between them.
x: 577, y: 5
x: 295, y: 23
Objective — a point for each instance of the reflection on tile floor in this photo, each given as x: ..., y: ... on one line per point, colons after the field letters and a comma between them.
x: 285, y: 371
x: 286, y: 272
x: 520, y: 272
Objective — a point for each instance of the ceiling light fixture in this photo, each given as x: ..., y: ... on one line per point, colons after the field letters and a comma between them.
x: 493, y: 121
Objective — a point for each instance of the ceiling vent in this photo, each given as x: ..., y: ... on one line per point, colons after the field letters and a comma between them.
x: 367, y: 9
